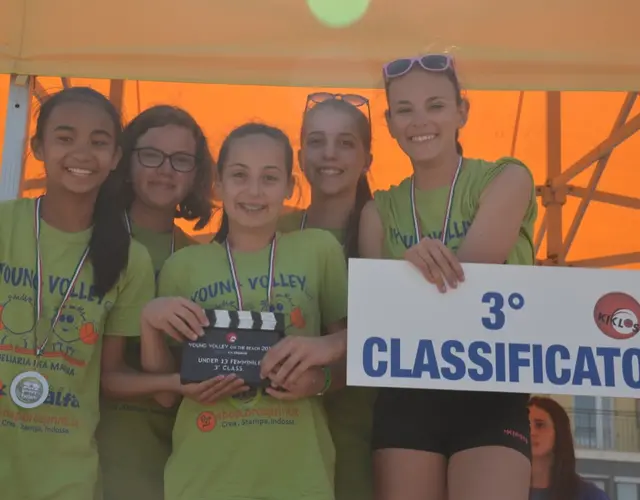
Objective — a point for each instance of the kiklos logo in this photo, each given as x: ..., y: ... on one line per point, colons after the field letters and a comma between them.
x: 616, y: 315
x: 231, y: 338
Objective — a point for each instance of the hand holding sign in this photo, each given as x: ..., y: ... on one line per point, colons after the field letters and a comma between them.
x: 290, y: 358
x: 215, y: 389
x: 436, y: 262
x: 179, y: 318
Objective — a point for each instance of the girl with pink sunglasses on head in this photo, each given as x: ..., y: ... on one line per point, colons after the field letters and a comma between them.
x: 436, y: 444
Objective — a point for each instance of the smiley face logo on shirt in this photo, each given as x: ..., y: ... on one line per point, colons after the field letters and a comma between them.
x: 73, y: 326
x: 17, y: 315
x: 283, y: 302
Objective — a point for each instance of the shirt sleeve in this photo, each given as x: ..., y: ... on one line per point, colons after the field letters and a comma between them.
x: 491, y: 171
x: 171, y: 277
x: 333, y: 281
x: 135, y: 289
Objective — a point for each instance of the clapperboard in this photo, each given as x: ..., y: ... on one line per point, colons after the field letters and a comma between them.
x: 233, y: 344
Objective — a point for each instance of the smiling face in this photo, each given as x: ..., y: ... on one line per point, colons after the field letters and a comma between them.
x: 425, y: 112
x: 333, y: 156
x: 254, y: 181
x: 162, y: 187
x: 543, y: 434
x: 78, y: 147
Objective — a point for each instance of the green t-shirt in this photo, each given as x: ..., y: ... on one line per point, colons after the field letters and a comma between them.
x: 350, y: 416
x: 49, y: 452
x: 134, y: 436
x: 255, y: 446
x: 394, y: 207
x: 292, y: 221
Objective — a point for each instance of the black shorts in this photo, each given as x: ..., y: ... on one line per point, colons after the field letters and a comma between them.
x: 447, y: 422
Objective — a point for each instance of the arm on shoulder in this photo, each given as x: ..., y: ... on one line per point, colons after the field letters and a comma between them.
x: 496, y: 226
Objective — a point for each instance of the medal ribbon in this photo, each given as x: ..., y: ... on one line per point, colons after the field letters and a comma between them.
x: 303, y: 222
x: 447, y: 216
x: 127, y: 221
x: 38, y: 285
x: 234, y: 273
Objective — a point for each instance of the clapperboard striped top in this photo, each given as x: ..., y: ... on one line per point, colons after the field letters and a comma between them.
x: 246, y: 320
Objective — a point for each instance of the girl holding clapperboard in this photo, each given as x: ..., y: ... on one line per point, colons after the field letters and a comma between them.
x: 74, y: 287
x: 436, y: 444
x: 335, y: 157
x: 229, y: 441
x: 165, y: 164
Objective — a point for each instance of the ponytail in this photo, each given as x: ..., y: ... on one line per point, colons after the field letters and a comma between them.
x: 110, y: 240
x: 223, y: 232
x: 363, y: 195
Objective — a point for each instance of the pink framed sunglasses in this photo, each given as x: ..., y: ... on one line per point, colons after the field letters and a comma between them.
x: 355, y: 100
x: 429, y: 62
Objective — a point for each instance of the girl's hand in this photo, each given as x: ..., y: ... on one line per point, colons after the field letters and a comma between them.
x: 215, y: 389
x: 178, y: 317
x: 436, y: 262
x: 309, y: 384
x: 290, y: 358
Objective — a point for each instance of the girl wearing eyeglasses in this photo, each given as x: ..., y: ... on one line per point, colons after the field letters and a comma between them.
x: 167, y: 172
x: 232, y: 441
x: 446, y: 444
x: 335, y: 157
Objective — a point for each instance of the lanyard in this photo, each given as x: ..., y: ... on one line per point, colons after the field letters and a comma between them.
x: 447, y: 215
x: 38, y: 284
x: 303, y: 222
x: 234, y: 273
x: 127, y: 221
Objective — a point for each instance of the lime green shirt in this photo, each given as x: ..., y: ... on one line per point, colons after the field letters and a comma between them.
x: 134, y: 436
x: 256, y: 447
x: 394, y: 207
x: 350, y: 415
x: 49, y: 452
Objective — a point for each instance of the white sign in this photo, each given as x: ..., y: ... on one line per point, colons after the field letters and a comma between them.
x: 505, y: 329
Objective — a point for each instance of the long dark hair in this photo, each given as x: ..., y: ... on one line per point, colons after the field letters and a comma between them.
x: 109, y: 243
x: 197, y: 205
x: 565, y: 482
x: 246, y: 130
x: 363, y: 189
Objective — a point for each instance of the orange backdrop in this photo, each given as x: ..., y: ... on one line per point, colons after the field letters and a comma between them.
x: 587, y: 119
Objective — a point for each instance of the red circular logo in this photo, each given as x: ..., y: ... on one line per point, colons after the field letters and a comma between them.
x: 206, y: 421
x: 231, y: 338
x: 617, y: 315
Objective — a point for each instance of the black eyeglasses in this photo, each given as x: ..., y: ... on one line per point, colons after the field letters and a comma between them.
x: 153, y: 158
x: 355, y: 100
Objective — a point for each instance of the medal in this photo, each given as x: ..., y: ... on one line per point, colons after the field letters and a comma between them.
x: 127, y: 221
x: 30, y: 389
x: 234, y: 273
x: 447, y: 216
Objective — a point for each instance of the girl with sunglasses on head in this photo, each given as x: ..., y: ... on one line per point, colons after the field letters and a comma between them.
x: 167, y: 171
x: 231, y: 442
x: 74, y: 288
x: 436, y: 444
x: 335, y: 157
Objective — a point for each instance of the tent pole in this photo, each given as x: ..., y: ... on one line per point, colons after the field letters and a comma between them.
x: 15, y: 136
x: 553, y: 198
x: 625, y: 111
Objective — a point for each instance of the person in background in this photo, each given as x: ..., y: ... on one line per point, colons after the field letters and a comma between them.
x: 553, y: 462
x: 74, y: 288
x: 335, y: 157
x: 435, y: 444
x: 230, y: 442
x: 167, y: 174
